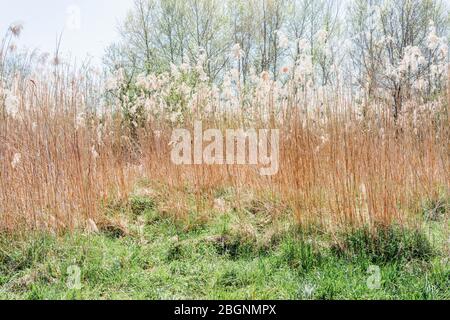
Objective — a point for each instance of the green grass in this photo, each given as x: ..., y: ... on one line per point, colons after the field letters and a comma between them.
x: 218, y: 260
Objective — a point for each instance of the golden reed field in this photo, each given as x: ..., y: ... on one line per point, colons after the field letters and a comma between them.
x: 338, y: 166
x: 232, y: 149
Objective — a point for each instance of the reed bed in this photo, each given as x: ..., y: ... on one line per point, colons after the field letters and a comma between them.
x: 65, y: 154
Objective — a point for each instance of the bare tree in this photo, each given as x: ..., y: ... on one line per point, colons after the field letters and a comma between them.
x: 390, y: 49
x: 159, y: 33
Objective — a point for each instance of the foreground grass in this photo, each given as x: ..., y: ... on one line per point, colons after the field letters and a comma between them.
x: 211, y: 261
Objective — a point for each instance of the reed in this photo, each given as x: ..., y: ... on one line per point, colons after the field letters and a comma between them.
x: 64, y: 156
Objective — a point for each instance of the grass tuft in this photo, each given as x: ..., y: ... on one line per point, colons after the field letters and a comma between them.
x: 385, y: 244
x: 140, y: 205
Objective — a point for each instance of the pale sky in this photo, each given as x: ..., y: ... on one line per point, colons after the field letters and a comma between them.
x: 88, y: 26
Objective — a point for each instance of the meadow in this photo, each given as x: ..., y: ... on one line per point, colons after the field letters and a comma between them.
x: 92, y: 207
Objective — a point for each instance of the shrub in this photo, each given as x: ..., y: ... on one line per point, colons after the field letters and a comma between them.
x: 298, y: 254
x: 436, y: 209
x: 385, y: 244
x: 139, y: 205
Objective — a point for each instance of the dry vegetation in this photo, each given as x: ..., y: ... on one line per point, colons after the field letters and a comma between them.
x: 60, y: 170
x: 87, y: 180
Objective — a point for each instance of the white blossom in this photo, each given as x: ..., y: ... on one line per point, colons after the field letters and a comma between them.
x: 237, y: 51
x: 433, y: 41
x: 16, y: 29
x: 283, y: 41
x: 412, y: 59
x: 174, y: 71
x: 303, y: 45
x: 94, y: 153
x: 16, y: 160
x: 185, y: 67
x: 114, y: 82
x: 11, y: 104
x: 322, y: 36
x: 79, y: 120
